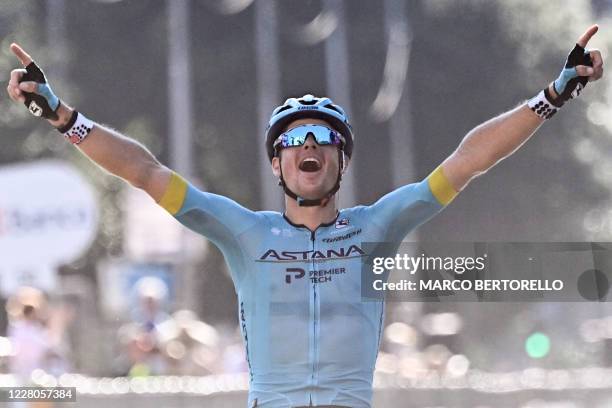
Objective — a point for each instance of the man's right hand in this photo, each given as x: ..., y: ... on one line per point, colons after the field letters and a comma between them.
x: 30, y: 87
x: 116, y: 153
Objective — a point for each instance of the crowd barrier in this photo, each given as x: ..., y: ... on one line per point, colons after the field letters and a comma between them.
x: 530, y: 388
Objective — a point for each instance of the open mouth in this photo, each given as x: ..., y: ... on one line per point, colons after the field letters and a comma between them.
x: 310, y: 164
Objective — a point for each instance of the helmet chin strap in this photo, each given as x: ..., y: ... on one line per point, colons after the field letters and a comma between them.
x: 323, y: 201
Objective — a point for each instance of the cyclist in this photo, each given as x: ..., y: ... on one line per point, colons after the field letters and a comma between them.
x: 309, y: 338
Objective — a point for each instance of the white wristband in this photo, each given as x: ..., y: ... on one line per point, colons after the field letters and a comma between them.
x: 541, y: 106
x: 78, y: 130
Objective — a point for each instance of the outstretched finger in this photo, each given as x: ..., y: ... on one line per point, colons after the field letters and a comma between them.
x: 23, y: 56
x: 584, y: 38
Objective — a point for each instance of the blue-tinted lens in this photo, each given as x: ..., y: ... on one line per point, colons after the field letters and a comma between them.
x: 298, y: 135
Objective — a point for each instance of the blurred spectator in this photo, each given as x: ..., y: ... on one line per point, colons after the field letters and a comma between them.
x: 151, y: 295
x: 140, y: 352
x: 155, y: 343
x: 139, y: 339
x: 36, y: 333
x: 192, y: 346
x: 180, y: 345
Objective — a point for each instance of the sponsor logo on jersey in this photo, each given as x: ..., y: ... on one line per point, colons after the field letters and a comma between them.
x: 314, y: 276
x: 244, y: 333
x: 296, y: 273
x: 343, y: 237
x: 272, y: 255
x: 342, y: 223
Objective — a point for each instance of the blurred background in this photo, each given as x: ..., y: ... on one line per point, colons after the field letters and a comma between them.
x: 103, y: 290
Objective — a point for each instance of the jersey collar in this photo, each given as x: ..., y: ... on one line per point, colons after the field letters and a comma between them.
x: 325, y: 224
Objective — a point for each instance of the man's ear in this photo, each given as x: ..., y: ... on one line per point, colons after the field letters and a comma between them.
x: 276, y: 170
x: 345, y: 163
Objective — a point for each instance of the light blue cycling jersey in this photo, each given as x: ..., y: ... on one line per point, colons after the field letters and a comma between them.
x: 309, y: 337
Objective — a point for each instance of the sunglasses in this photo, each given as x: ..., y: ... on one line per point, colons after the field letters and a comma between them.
x: 297, y: 136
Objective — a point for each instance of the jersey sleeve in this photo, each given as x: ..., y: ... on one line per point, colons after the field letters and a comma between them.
x: 407, y: 207
x: 216, y: 217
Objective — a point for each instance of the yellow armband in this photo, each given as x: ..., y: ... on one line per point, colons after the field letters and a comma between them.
x: 174, y: 197
x: 440, y: 187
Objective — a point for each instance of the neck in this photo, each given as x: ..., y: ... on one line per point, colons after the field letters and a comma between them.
x: 311, y: 217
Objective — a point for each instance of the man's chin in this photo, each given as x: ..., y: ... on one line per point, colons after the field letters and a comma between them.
x: 313, y: 193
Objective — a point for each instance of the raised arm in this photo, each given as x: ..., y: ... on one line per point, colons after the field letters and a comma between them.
x: 116, y: 153
x: 496, y: 139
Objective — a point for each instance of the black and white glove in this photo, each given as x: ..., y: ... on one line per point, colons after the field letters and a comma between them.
x: 569, y: 84
x: 29, y: 86
x: 43, y: 102
x: 581, y: 66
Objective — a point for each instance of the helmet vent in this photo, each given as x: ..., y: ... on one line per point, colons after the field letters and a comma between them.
x: 333, y: 107
x: 284, y: 108
x: 307, y: 101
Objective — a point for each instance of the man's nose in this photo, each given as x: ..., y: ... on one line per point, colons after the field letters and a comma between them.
x: 310, y: 142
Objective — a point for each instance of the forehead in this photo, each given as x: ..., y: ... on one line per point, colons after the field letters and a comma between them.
x: 306, y: 121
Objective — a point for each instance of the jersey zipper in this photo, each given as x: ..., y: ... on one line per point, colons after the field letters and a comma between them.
x: 315, y: 325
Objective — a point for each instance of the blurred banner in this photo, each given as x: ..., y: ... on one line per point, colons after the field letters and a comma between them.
x: 48, y: 217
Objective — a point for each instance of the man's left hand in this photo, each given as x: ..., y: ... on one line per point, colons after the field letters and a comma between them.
x: 582, y: 66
